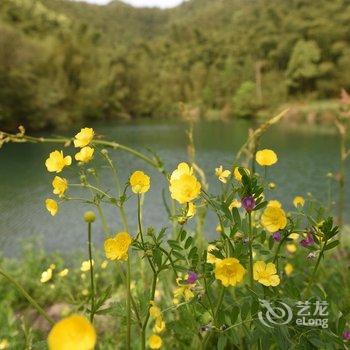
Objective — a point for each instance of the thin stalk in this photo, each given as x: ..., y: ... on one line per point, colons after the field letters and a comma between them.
x: 144, y: 326
x: 275, y: 259
x: 250, y: 250
x: 27, y: 296
x: 128, y: 306
x: 92, y: 284
x: 312, y: 279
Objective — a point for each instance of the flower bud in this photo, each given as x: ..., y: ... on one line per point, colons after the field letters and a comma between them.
x: 89, y: 216
x: 104, y: 152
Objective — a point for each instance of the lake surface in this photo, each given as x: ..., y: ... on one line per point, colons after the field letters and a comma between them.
x: 306, y: 155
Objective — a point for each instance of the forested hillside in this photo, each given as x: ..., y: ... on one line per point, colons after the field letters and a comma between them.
x: 63, y: 62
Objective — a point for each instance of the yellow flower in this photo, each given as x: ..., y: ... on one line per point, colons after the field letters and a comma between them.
x: 211, y: 258
x: 191, y: 211
x: 46, y: 276
x: 294, y: 236
x: 291, y: 248
x: 74, y: 332
x: 85, y: 154
x: 272, y: 185
x: 238, y: 175
x: 298, y: 201
x: 60, y: 186
x: 140, y: 182
x: 266, y: 157
x: 51, y: 206
x: 84, y: 137
x: 52, y: 266
x: 155, y: 341
x: 184, y: 290
x: 229, y: 271
x: 218, y: 228
x: 104, y: 264
x: 266, y: 274
x: 182, y: 168
x: 273, y: 219
x: 154, y: 310
x: 56, y: 161
x: 185, y: 189
x: 117, y: 248
x: 222, y: 174
x: 274, y: 203
x: 159, y: 327
x: 4, y: 344
x: 63, y: 273
x: 235, y: 204
x: 288, y: 269
x: 85, y: 265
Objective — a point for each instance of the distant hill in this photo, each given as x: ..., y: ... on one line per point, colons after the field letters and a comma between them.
x: 67, y: 62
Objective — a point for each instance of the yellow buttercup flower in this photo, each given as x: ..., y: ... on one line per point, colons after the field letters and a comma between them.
x: 139, y: 182
x: 291, y: 248
x: 155, y: 341
x: 288, y: 269
x: 104, y: 264
x: 184, y: 290
x: 235, y: 204
x: 191, y: 211
x: 85, y: 154
x: 266, y: 157
x: 116, y: 248
x: 84, y: 137
x: 182, y: 168
x: 211, y: 258
x: 57, y: 161
x: 4, y: 344
x: 85, y: 265
x: 238, y: 175
x: 74, y: 332
x: 294, y: 236
x: 185, y: 189
x: 298, y: 201
x: 273, y: 219
x: 46, y: 276
x: 63, y: 273
x: 274, y: 203
x: 222, y: 174
x: 51, y: 206
x: 229, y: 271
x: 159, y: 327
x: 266, y: 274
x: 59, y: 185
x: 154, y: 310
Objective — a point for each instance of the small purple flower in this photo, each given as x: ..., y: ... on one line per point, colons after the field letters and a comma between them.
x: 309, y: 240
x: 248, y: 203
x: 346, y: 335
x: 192, y: 277
x: 276, y: 236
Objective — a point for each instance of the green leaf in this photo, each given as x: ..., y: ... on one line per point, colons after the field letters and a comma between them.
x: 331, y: 245
x: 189, y: 242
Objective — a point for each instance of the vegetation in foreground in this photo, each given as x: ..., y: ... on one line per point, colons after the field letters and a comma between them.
x: 64, y: 62
x: 269, y: 280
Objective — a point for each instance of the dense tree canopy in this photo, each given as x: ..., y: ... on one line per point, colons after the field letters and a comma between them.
x: 63, y: 62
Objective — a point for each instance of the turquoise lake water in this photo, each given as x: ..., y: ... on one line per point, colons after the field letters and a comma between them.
x: 306, y: 155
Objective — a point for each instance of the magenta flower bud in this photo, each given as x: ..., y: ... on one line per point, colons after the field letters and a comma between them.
x: 276, y: 236
x: 346, y: 335
x: 309, y: 240
x: 192, y: 277
x: 248, y: 203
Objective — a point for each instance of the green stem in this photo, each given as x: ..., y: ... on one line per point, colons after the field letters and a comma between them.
x: 27, y: 296
x: 250, y: 250
x: 275, y: 259
x: 92, y: 285
x: 144, y: 326
x: 128, y: 305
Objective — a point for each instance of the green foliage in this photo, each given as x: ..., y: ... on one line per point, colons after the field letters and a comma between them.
x: 65, y: 62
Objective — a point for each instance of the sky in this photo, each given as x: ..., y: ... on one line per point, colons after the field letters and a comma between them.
x: 143, y: 3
